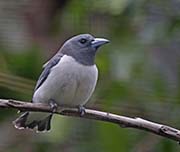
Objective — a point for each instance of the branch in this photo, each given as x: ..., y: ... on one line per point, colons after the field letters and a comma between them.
x: 125, y: 122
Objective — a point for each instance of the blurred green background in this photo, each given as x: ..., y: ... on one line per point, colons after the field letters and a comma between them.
x: 139, y: 70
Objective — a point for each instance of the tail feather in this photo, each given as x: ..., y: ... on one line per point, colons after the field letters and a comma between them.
x: 20, y: 121
x: 45, y: 124
x: 42, y: 125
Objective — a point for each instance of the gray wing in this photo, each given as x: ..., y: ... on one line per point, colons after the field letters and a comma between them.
x: 47, y: 69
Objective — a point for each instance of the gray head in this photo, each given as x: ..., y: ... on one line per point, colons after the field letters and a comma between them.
x: 83, y: 48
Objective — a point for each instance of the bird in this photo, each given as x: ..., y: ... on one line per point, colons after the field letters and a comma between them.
x: 69, y: 78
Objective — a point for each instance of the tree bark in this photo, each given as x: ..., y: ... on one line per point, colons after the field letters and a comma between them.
x: 123, y: 121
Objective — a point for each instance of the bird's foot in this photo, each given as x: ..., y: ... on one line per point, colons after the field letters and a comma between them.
x: 53, y: 106
x: 81, y: 110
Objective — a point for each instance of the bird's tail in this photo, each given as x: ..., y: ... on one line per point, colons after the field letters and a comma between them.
x: 33, y: 120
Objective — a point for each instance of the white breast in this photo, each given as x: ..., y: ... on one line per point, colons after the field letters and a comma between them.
x: 69, y: 83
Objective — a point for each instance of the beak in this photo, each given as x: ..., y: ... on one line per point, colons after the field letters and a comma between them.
x: 97, y: 42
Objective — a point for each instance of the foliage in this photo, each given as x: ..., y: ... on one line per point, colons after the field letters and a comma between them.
x: 139, y: 69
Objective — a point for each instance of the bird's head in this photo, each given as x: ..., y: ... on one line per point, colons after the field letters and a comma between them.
x: 83, y: 48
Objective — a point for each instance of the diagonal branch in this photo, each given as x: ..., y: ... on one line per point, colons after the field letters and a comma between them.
x: 125, y: 122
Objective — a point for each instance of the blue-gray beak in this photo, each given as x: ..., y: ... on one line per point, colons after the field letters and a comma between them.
x: 97, y: 42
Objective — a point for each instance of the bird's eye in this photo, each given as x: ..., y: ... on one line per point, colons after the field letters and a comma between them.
x: 82, y: 41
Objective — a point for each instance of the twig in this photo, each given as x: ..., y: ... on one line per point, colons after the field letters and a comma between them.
x: 125, y: 122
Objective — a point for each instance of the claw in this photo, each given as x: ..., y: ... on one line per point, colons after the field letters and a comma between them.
x: 53, y: 106
x: 81, y: 110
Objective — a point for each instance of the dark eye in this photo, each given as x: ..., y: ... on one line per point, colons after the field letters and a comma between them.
x: 82, y: 41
